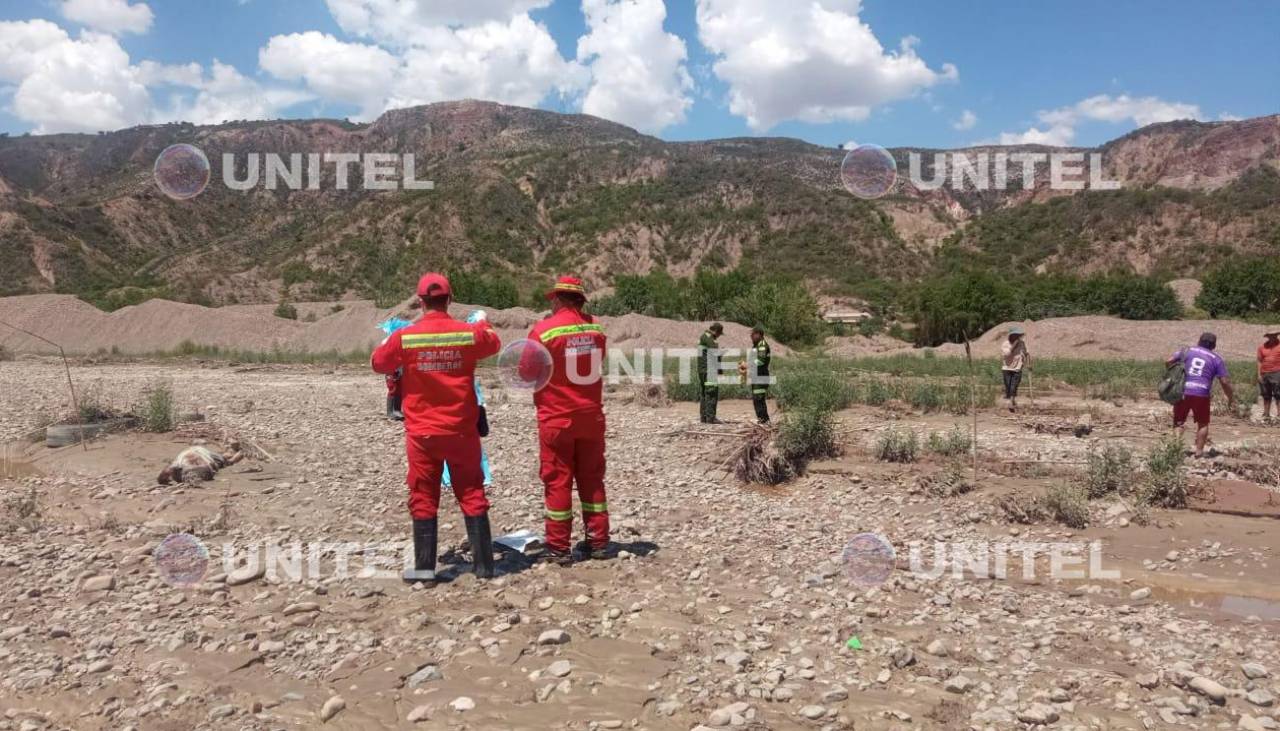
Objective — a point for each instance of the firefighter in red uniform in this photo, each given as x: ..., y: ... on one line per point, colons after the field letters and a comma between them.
x: 438, y: 355
x: 571, y: 420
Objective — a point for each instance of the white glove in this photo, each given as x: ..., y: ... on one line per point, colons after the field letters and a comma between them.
x: 479, y: 316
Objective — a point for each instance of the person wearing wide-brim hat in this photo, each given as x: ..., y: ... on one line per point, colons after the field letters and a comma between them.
x: 1269, y: 373
x: 571, y: 423
x: 1014, y: 358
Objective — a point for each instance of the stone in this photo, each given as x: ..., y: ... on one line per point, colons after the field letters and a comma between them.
x: 301, y: 608
x: 1038, y: 714
x: 936, y: 648
x: 1138, y: 595
x: 462, y: 704
x: 813, y: 713
x: 331, y: 707
x: 246, y: 574
x: 559, y: 668
x: 1147, y: 680
x: 105, y: 582
x: 425, y: 674
x: 419, y: 714
x: 835, y: 695
x: 223, y: 711
x: 553, y: 637
x: 100, y: 666
x: 958, y: 684
x: 1254, y: 671
x: 719, y: 717
x: 1211, y: 689
x: 737, y: 660
x: 1260, y: 697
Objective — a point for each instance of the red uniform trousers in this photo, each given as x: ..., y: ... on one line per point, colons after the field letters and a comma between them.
x: 427, y: 455
x: 573, y: 450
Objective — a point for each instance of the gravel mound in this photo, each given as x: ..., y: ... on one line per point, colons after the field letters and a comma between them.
x: 161, y: 325
x: 1096, y: 336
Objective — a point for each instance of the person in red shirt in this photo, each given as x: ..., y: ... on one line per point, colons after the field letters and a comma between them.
x: 1269, y: 373
x: 570, y: 419
x: 437, y: 356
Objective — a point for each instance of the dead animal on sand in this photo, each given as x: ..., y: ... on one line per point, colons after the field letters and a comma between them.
x: 199, y: 463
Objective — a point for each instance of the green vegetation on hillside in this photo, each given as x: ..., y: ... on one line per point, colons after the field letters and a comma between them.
x: 783, y: 307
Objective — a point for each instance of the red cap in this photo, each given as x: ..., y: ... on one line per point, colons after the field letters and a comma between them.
x: 571, y: 285
x: 433, y: 284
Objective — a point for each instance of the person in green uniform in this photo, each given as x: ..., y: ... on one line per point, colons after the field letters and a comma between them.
x: 709, y: 386
x: 760, y: 357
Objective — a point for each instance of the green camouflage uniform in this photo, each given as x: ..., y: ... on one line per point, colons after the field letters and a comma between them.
x: 709, y: 388
x: 760, y: 384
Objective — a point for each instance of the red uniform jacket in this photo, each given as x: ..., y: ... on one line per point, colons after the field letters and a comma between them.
x: 439, y: 355
x: 577, y: 347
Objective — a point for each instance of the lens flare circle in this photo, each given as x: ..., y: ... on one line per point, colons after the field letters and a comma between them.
x: 181, y: 559
x: 868, y: 560
x: 868, y: 171
x: 181, y: 171
x: 525, y: 364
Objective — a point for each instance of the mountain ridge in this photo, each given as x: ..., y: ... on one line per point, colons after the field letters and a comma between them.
x: 528, y: 192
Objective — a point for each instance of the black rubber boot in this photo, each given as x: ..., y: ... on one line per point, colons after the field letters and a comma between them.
x: 424, y: 551
x: 481, y: 545
x: 393, y: 408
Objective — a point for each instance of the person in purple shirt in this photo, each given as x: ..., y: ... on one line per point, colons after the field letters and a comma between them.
x: 1202, y: 365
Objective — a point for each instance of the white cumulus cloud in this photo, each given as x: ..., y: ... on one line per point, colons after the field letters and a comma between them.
x: 1060, y: 124
x: 349, y: 72
x: 813, y: 61
x: 638, y: 74
x: 88, y: 83
x: 109, y: 16
x: 402, y: 22
x: 967, y: 120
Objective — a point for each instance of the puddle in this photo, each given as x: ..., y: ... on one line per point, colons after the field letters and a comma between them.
x: 1247, y: 606
x: 13, y: 468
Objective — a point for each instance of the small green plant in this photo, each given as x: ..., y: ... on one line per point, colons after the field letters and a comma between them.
x: 158, y: 411
x: 951, y: 481
x: 807, y: 434
x: 1067, y: 504
x: 876, y: 393
x: 896, y: 445
x: 1166, y: 483
x: 1110, y: 471
x: 927, y: 397
x: 286, y: 310
x: 952, y: 444
x: 92, y: 406
x: 813, y: 388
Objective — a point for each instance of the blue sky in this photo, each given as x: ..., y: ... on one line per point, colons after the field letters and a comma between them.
x: 1078, y: 72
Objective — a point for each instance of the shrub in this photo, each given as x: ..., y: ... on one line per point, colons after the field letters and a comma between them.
x: 5, y: 353
x: 813, y: 388
x: 927, y: 397
x: 877, y: 393
x: 92, y: 406
x: 807, y: 434
x: 158, y: 411
x: 1110, y: 471
x: 956, y: 306
x: 1241, y: 286
x: 286, y: 311
x: 952, y: 444
x: 1067, y: 504
x: 896, y: 445
x: 1166, y: 483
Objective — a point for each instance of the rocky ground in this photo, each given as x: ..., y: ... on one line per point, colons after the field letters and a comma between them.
x: 726, y: 607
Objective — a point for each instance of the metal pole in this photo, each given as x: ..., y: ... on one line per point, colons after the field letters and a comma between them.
x: 75, y: 403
